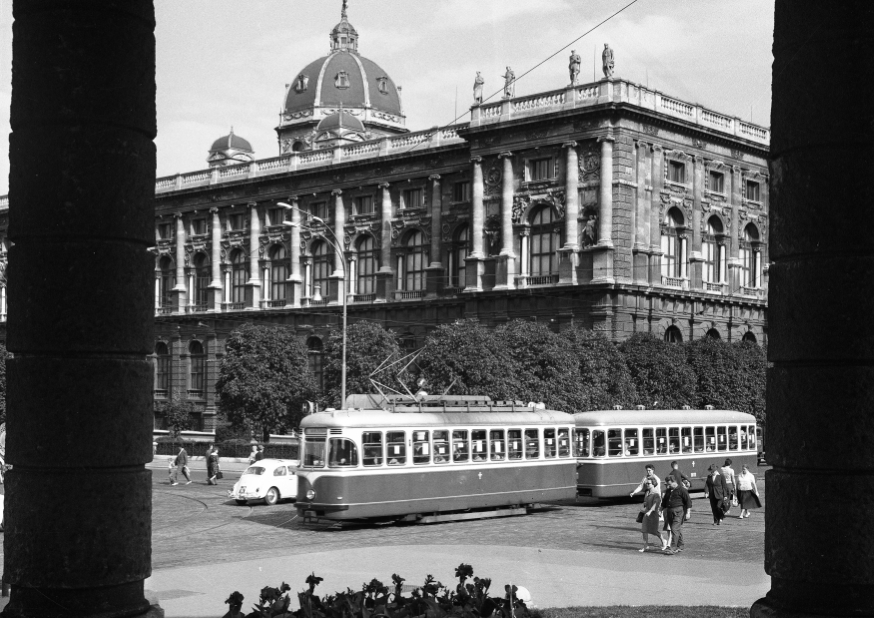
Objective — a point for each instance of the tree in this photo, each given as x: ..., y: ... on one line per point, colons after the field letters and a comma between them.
x: 729, y: 376
x: 264, y: 379
x: 368, y: 345
x: 177, y: 414
x: 663, y: 378
x: 4, y: 354
x: 604, y: 378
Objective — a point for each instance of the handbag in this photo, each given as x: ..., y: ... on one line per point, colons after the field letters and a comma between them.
x: 219, y: 474
x: 725, y: 505
x: 640, y: 517
x: 733, y: 499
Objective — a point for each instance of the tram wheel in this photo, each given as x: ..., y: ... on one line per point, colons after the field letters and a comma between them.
x: 272, y: 496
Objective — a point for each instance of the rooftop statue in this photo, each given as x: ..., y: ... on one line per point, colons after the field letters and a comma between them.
x: 478, y: 88
x: 509, y: 84
x: 574, y: 67
x: 607, y: 58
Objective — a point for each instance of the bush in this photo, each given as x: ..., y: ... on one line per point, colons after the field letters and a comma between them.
x: 661, y: 375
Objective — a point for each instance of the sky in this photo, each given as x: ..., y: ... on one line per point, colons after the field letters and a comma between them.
x: 223, y: 63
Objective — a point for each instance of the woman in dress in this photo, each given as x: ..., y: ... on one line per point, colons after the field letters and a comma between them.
x: 212, y: 466
x: 747, y: 492
x: 650, y: 524
x: 716, y: 489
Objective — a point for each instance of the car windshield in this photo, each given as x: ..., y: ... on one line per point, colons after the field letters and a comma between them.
x: 256, y: 470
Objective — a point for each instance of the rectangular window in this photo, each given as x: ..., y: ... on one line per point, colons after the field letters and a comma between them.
x: 421, y: 448
x: 673, y: 440
x: 497, y: 445
x: 199, y: 226
x: 314, y: 452
x: 461, y: 192
x: 717, y: 182
x: 581, y: 443
x: 396, y: 448
x: 632, y: 444
x: 198, y: 366
x: 364, y: 205
x: 540, y: 169
x: 479, y: 446
x: 661, y: 441
x: 549, y: 444
x: 441, y: 446
x: 371, y: 444
x: 648, y: 441
x: 276, y: 216
x: 686, y: 432
x: 532, y: 444
x: 165, y: 231
x: 319, y: 209
x: 721, y: 440
x: 514, y: 444
x: 677, y: 172
x: 743, y: 438
x: 614, y: 442
x: 162, y: 374
x: 710, y: 439
x: 698, y: 439
x: 343, y: 454
x: 414, y: 198
x: 237, y: 222
x: 732, y: 437
x: 564, y: 442
x: 598, y: 444
x: 460, y: 446
x: 752, y: 191
x: 751, y: 432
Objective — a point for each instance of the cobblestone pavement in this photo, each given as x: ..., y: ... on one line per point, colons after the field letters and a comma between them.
x: 191, y: 522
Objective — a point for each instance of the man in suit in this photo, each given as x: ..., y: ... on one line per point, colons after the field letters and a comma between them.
x: 717, y: 490
x: 677, y: 507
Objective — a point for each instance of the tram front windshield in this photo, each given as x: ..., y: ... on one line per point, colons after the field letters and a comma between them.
x: 314, y: 452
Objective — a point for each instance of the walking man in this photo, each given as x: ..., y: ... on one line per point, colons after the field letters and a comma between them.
x: 677, y: 507
x: 675, y: 472
x: 181, y: 463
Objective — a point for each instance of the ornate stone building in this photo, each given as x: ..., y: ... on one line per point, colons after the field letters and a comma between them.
x: 606, y: 205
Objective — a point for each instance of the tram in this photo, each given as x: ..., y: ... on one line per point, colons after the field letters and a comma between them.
x: 612, y: 447
x: 432, y: 459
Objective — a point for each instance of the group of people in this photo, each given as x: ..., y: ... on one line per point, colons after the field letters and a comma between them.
x: 179, y: 465
x: 722, y: 487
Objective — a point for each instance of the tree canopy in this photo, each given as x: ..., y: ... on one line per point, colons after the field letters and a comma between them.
x: 264, y: 379
x: 661, y: 375
x: 368, y: 345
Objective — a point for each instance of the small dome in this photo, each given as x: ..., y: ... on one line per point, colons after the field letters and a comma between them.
x: 231, y: 142
x: 341, y: 121
x: 230, y: 150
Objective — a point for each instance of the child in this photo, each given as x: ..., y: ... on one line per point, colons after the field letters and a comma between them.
x: 170, y: 468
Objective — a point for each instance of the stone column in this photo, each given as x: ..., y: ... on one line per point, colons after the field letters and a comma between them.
x: 642, y: 223
x: 820, y: 390
x: 385, y: 276
x: 435, y: 273
x: 655, y: 243
x: 695, y: 258
x: 253, y: 285
x: 180, y: 291
x: 602, y: 255
x: 505, y: 267
x: 79, y: 499
x: 339, y: 276
x: 475, y: 260
x: 733, y: 261
x: 293, y: 289
x: 568, y: 255
x: 215, y: 286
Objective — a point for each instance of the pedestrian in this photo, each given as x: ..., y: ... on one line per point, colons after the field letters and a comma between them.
x: 181, y: 462
x: 747, y: 492
x: 171, y: 467
x: 676, y: 507
x: 260, y: 454
x: 651, y: 477
x: 675, y: 472
x: 2, y: 490
x: 253, y: 456
x: 212, y: 466
x: 730, y: 480
x: 716, y: 489
x: 651, y: 509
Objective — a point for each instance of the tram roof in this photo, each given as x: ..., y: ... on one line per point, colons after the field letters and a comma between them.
x: 661, y: 417
x: 410, y: 418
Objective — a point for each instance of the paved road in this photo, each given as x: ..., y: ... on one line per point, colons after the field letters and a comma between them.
x: 583, y: 552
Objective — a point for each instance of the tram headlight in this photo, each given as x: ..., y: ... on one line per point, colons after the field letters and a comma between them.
x: 310, y: 494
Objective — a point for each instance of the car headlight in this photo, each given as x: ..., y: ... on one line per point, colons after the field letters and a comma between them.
x: 310, y: 494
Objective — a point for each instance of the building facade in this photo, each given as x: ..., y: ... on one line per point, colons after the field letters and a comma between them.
x: 606, y: 205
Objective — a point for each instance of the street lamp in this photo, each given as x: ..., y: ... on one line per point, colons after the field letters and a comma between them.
x: 335, y: 244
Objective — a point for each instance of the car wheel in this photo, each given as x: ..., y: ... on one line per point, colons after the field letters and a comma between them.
x: 272, y: 496
x: 242, y: 502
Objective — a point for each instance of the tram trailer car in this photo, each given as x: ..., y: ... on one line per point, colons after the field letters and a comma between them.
x: 431, y: 457
x: 613, y: 447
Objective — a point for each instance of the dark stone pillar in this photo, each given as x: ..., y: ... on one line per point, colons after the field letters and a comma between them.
x: 78, y: 501
x: 821, y: 340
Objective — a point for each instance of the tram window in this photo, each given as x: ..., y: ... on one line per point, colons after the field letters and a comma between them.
x: 598, y: 449
x: 396, y: 448
x: 514, y: 444
x: 648, y: 441
x: 751, y: 432
x: 460, y: 446
x: 564, y: 443
x: 710, y: 439
x: 421, y: 447
x: 441, y: 447
x: 632, y: 445
x: 721, y: 441
x: 698, y: 439
x: 532, y: 444
x: 661, y: 441
x: 343, y: 453
x: 581, y: 443
x: 614, y: 442
x: 496, y: 443
x: 743, y: 438
x: 673, y: 440
x: 314, y: 452
x: 732, y: 437
x: 549, y: 445
x: 686, y: 432
x: 371, y: 443
x: 479, y: 445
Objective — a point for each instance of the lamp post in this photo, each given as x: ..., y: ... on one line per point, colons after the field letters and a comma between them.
x: 335, y: 244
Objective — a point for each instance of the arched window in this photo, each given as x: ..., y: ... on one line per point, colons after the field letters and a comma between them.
x: 713, y: 334
x: 673, y: 335
x: 316, y: 360
x: 412, y: 262
x: 673, y: 245
x: 196, y: 369
x: 457, y: 257
x: 714, y: 252
x: 323, y: 266
x: 162, y: 369
x: 750, y: 255
x: 545, y: 242
x: 368, y: 263
x: 201, y: 281
x: 278, y: 274
x: 749, y: 336
x: 166, y: 282
x: 239, y: 277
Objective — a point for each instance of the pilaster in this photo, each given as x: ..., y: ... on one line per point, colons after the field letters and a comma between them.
x: 505, y: 263
x: 253, y: 285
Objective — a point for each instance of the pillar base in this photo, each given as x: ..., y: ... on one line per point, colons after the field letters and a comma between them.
x: 214, y: 298
x: 473, y: 273
x: 567, y: 266
x: 434, y: 277
x: 125, y: 601
x: 505, y: 272
x: 602, y: 264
